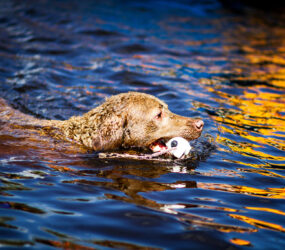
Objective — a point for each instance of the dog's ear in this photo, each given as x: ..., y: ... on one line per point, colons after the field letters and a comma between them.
x: 105, y: 143
x: 111, y: 134
x: 97, y: 144
x: 109, y: 141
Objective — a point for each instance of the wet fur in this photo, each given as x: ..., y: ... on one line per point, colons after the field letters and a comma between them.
x: 123, y: 121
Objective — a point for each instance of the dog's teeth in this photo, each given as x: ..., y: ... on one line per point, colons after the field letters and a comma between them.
x: 182, y: 147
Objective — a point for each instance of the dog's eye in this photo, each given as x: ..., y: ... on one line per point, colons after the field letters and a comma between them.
x: 159, y: 115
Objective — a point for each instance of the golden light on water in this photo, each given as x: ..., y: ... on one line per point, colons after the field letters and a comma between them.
x: 257, y: 116
x: 266, y: 209
x: 258, y: 223
x: 273, y: 73
x: 272, y: 193
x: 240, y: 242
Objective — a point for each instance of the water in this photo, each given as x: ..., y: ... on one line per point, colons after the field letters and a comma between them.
x: 223, y: 64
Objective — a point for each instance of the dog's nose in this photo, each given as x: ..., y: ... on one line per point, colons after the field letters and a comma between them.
x: 199, y: 124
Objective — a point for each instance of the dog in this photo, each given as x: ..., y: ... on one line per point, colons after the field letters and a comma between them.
x: 127, y: 120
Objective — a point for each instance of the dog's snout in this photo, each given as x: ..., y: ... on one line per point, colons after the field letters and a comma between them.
x: 199, y: 124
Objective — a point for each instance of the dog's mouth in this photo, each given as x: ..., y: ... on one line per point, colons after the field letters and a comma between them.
x: 158, y: 145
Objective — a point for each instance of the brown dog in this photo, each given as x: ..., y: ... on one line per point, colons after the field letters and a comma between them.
x: 125, y: 120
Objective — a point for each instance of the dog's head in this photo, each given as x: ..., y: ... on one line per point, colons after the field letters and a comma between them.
x: 139, y: 120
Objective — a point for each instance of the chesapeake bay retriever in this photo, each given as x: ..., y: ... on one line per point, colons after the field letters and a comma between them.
x: 123, y: 121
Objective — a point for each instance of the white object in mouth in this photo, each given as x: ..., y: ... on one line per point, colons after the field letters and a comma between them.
x: 182, y: 147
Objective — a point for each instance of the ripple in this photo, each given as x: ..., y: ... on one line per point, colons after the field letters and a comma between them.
x: 21, y: 206
x: 100, y: 33
x: 133, y: 49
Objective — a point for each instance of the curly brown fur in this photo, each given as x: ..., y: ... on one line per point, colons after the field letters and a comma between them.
x: 123, y: 121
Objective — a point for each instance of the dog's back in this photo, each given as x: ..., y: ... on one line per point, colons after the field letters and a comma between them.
x: 22, y: 132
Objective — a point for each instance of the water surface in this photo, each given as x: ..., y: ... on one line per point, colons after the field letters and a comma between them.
x: 225, y: 65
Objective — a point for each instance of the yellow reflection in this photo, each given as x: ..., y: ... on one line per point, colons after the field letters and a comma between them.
x: 257, y: 108
x: 273, y: 193
x: 270, y: 210
x: 258, y: 118
x: 210, y: 223
x: 274, y: 74
x: 240, y: 242
x: 245, y: 148
x: 258, y: 223
x: 260, y: 171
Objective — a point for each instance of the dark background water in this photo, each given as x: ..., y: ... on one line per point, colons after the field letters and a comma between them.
x: 221, y: 61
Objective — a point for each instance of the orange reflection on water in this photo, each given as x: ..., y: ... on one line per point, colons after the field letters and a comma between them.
x: 257, y: 117
x: 256, y: 108
x: 273, y: 72
x: 240, y: 242
x: 266, y: 209
x: 246, y: 148
x: 260, y: 171
x: 258, y: 223
x: 273, y: 193
x: 196, y: 220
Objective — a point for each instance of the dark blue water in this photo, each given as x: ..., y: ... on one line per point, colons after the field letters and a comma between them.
x: 223, y: 63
